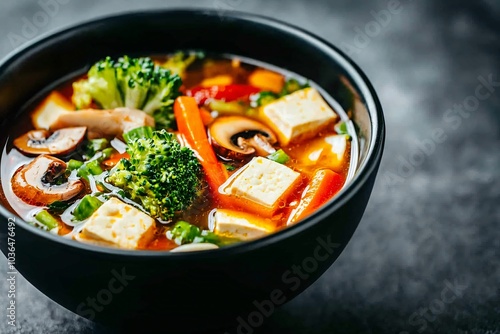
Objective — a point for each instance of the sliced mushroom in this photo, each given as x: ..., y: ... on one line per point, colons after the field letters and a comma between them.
x: 60, y: 142
x: 32, y: 182
x: 105, y: 123
x: 238, y: 137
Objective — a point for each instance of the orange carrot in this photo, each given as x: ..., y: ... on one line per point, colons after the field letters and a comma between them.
x: 267, y: 80
x: 115, y: 158
x: 324, y: 184
x: 205, y: 116
x: 190, y: 125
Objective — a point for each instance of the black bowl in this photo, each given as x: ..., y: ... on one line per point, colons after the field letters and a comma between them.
x: 239, y: 285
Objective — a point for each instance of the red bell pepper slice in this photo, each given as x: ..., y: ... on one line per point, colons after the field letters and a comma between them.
x: 226, y: 93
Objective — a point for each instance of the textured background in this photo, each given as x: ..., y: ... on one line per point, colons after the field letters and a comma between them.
x: 428, y: 224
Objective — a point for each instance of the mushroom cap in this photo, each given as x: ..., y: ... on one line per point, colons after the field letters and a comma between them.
x: 31, y: 182
x: 232, y: 136
x: 61, y: 142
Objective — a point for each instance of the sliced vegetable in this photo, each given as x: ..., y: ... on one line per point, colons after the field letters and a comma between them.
x: 115, y: 158
x: 87, y: 206
x: 58, y: 206
x: 324, y: 184
x: 95, y: 145
x: 74, y: 164
x: 34, y: 183
x: 291, y: 86
x: 104, y: 123
x: 45, y: 218
x: 90, y: 168
x: 341, y: 128
x: 223, y: 107
x: 219, y: 80
x: 267, y: 80
x: 191, y: 126
x: 226, y: 93
x: 239, y: 137
x: 140, y: 132
x: 262, y: 98
x: 185, y: 233
x: 60, y: 142
x: 279, y: 156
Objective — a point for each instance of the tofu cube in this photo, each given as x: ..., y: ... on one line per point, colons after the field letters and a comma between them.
x: 330, y: 151
x: 262, y: 182
x: 118, y: 224
x: 241, y: 225
x: 298, y: 116
x: 50, y: 109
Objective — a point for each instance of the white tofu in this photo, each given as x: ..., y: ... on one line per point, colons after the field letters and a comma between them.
x: 119, y: 224
x: 331, y: 151
x: 262, y: 181
x: 50, y: 109
x: 240, y: 225
x: 298, y: 116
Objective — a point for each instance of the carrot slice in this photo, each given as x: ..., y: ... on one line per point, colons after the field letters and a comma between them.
x: 267, y: 80
x: 190, y: 125
x: 115, y: 158
x: 324, y: 184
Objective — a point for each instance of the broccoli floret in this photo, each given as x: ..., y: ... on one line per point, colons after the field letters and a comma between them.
x: 134, y: 77
x: 291, y: 86
x: 81, y: 97
x: 133, y: 83
x: 162, y: 94
x: 162, y: 176
x: 103, y: 86
x: 180, y: 61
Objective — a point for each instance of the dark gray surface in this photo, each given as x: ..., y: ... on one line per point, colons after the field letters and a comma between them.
x: 427, y: 226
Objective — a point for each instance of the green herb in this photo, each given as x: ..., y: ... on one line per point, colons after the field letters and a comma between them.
x: 279, y: 156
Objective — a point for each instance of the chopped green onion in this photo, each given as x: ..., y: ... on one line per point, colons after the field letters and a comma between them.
x: 106, y: 153
x: 292, y: 85
x: 74, y: 164
x: 263, y: 98
x: 140, y: 132
x: 341, y: 128
x: 279, y: 156
x: 45, y: 218
x: 96, y: 145
x: 229, y: 167
x: 87, y: 206
x: 233, y: 107
x: 90, y: 168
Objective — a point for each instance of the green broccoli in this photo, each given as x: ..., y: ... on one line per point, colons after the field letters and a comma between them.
x: 180, y: 61
x: 130, y: 82
x: 162, y: 176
